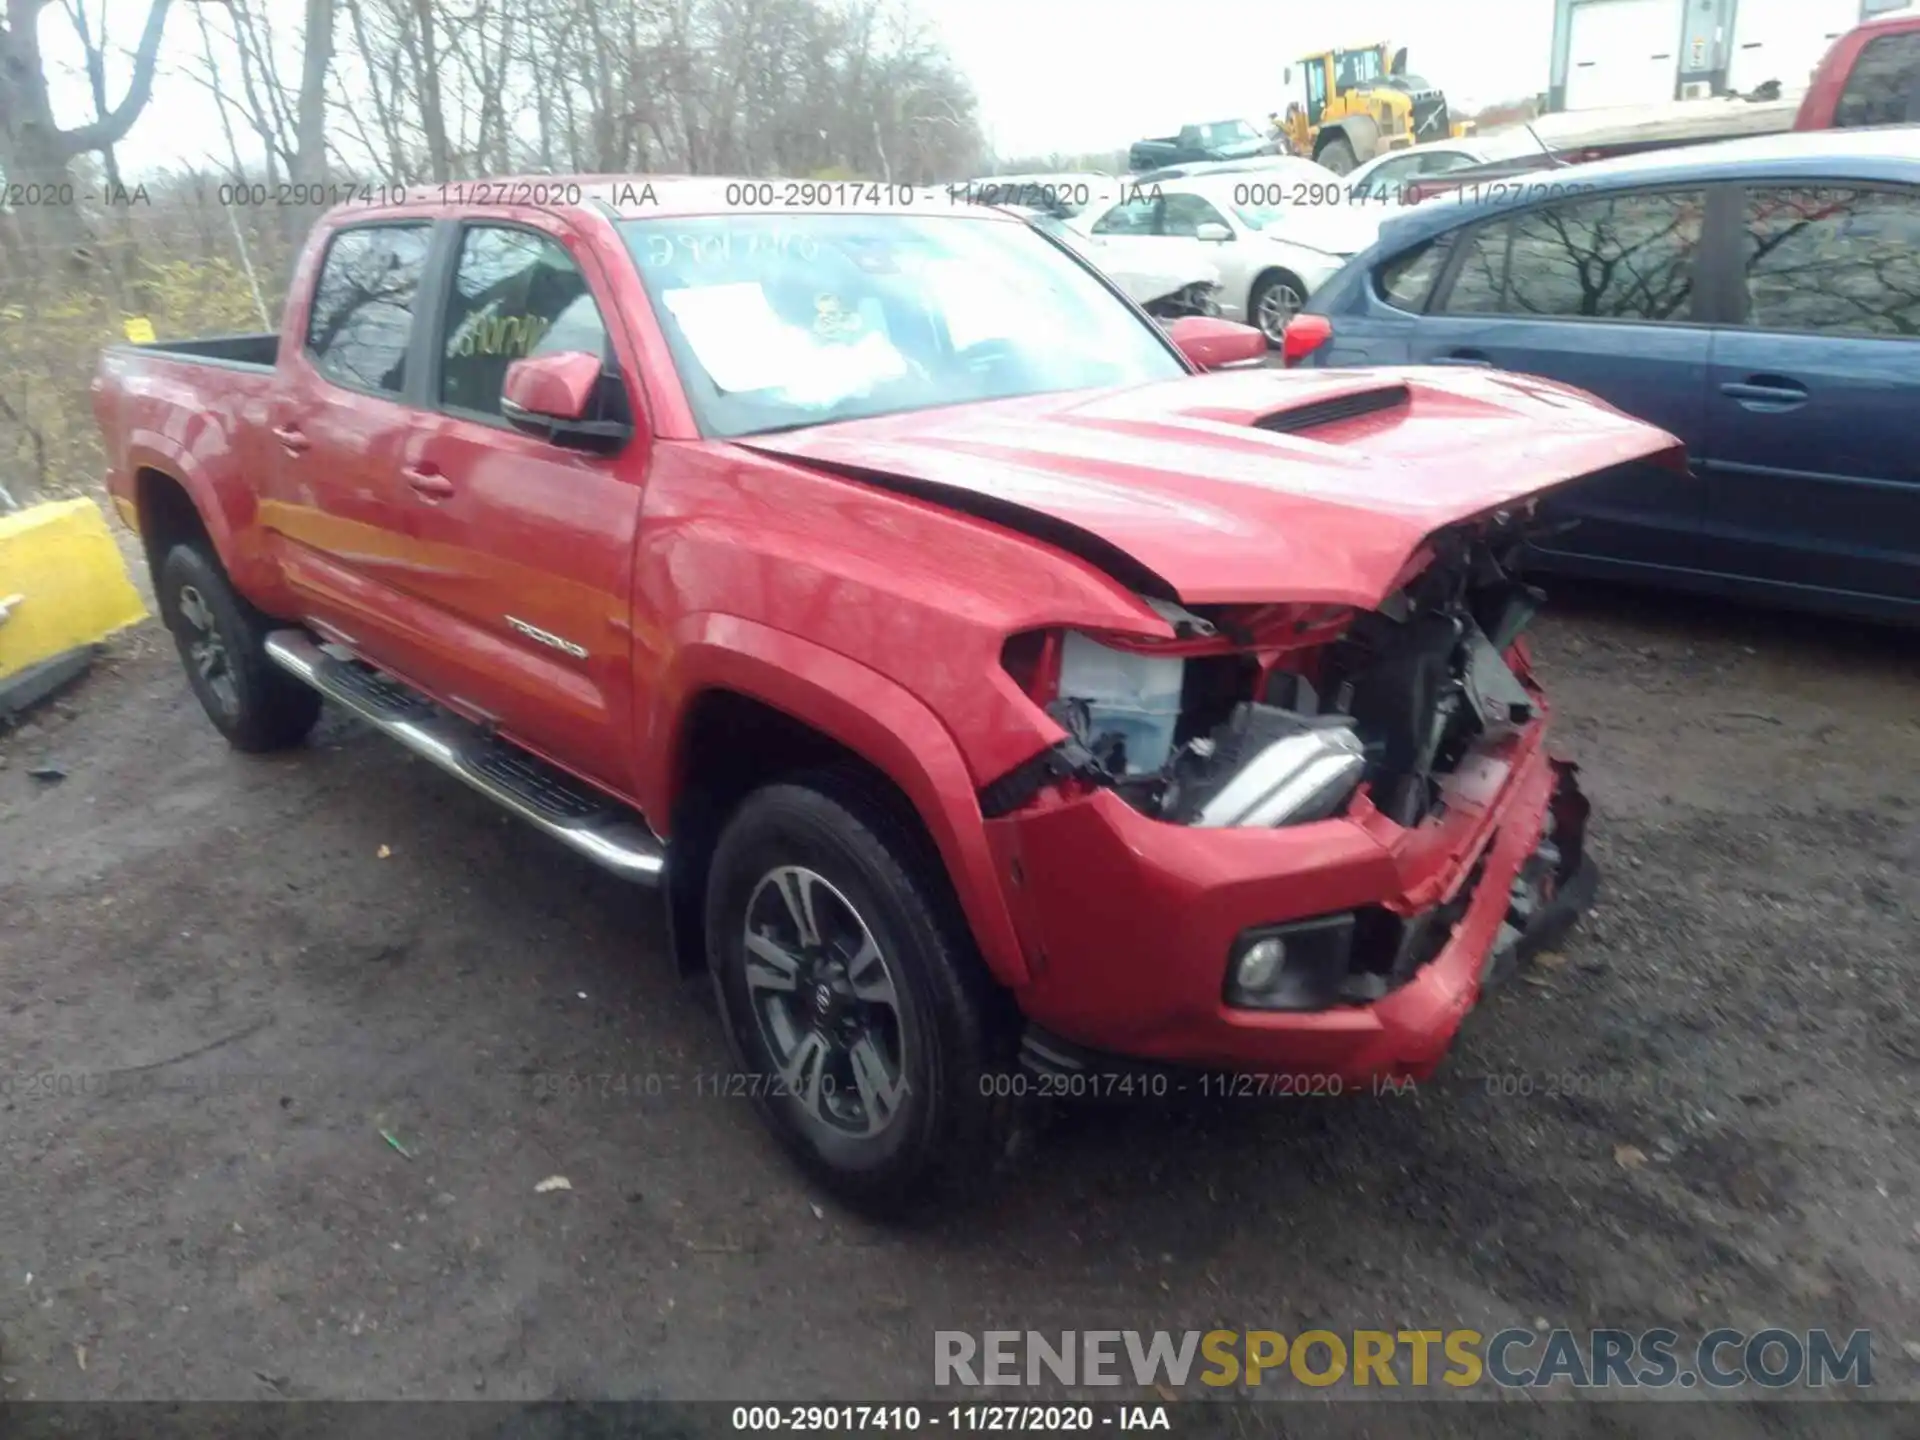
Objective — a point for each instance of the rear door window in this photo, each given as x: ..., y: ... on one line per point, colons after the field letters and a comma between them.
x: 1836, y: 261
x: 1616, y: 257
x: 1620, y: 257
x: 361, y: 320
x: 1884, y: 86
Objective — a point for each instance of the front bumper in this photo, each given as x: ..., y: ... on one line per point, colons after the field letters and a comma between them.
x: 1127, y: 922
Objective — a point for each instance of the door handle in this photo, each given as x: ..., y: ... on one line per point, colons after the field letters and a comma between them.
x: 1766, y: 392
x: 428, y: 482
x: 1464, y: 357
x: 292, y: 440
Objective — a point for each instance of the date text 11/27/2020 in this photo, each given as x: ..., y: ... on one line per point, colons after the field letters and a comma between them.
x: 1118, y: 1085
x: 838, y: 1419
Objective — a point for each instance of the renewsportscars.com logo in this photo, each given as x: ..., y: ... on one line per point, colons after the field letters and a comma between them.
x: 1719, y: 1360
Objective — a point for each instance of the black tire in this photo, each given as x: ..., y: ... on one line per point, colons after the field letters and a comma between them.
x: 949, y: 1030
x: 1269, y: 290
x: 1337, y: 155
x: 222, y: 642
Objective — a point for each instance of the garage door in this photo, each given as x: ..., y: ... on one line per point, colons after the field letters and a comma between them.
x: 1623, y: 52
x: 1784, y: 39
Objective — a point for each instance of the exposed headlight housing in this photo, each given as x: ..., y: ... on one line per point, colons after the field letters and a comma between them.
x: 1120, y: 697
x: 1160, y: 721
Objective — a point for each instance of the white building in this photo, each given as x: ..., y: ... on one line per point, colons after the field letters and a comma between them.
x: 1640, y: 52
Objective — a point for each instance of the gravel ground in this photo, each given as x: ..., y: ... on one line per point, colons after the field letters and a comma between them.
x: 235, y: 974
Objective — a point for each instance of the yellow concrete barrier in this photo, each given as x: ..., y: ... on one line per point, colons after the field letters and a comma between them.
x: 62, y: 583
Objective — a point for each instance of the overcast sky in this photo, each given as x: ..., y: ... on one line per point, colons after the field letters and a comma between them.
x: 1075, y: 75
x: 1052, y: 75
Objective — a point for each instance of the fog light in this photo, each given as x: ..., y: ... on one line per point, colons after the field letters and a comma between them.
x: 1260, y: 963
x: 1297, y: 966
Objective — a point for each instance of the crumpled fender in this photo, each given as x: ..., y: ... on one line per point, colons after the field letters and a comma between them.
x: 859, y: 708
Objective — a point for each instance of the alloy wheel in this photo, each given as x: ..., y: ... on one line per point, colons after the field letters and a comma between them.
x: 1278, y: 305
x: 207, y: 648
x: 826, y: 1002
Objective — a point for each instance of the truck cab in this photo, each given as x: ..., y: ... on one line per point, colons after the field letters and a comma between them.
x: 1211, y: 140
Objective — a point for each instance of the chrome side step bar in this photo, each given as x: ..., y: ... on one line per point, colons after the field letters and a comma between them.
x: 601, y: 829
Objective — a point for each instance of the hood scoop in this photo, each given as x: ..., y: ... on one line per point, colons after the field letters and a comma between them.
x: 1350, y: 406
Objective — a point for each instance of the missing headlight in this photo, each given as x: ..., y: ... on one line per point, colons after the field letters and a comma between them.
x: 1120, y: 704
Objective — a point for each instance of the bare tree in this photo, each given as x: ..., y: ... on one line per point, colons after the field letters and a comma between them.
x: 34, y: 150
x: 310, y: 130
x: 423, y: 50
x: 96, y: 62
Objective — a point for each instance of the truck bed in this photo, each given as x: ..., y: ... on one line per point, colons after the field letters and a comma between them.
x: 1576, y: 136
x: 192, y: 409
x: 242, y: 352
x: 1625, y: 128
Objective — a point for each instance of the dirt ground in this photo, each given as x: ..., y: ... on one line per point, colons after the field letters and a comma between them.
x: 224, y: 980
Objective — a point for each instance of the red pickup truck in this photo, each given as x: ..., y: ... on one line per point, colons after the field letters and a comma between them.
x: 1006, y: 705
x: 1869, y: 76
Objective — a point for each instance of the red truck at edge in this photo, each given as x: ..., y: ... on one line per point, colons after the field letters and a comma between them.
x: 1869, y: 76
x: 1010, y: 696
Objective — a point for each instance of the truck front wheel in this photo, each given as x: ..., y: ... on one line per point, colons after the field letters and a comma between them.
x: 867, y: 1031
x: 222, y: 642
x: 1337, y: 155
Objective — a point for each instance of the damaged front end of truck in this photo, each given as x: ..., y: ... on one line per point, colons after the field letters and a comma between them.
x: 1299, y: 811
x: 1314, y: 719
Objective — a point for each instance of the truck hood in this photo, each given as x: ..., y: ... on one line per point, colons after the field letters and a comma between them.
x: 1244, y: 486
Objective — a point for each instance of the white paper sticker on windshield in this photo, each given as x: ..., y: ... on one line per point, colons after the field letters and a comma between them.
x: 744, y: 345
x: 735, y: 334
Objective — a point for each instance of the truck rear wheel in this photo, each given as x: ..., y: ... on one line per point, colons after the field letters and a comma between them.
x: 867, y: 1031
x: 222, y: 643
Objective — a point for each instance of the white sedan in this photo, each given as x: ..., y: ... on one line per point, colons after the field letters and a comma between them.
x: 1384, y: 178
x: 1163, y: 281
x: 1276, y: 234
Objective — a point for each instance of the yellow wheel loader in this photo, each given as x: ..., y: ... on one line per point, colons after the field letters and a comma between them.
x: 1351, y: 105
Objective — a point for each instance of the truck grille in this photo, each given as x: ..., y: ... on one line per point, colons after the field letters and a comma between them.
x: 1430, y: 120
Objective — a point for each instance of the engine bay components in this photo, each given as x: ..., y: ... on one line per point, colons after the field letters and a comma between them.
x: 1247, y: 718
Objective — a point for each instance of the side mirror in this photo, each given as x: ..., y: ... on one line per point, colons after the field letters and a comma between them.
x: 1212, y: 230
x: 553, y: 396
x: 1398, y: 65
x: 1211, y: 343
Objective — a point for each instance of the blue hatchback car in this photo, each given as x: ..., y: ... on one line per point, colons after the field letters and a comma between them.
x: 1760, y: 299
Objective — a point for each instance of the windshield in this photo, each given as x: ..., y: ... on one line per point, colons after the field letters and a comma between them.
x: 779, y: 321
x: 1227, y: 132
